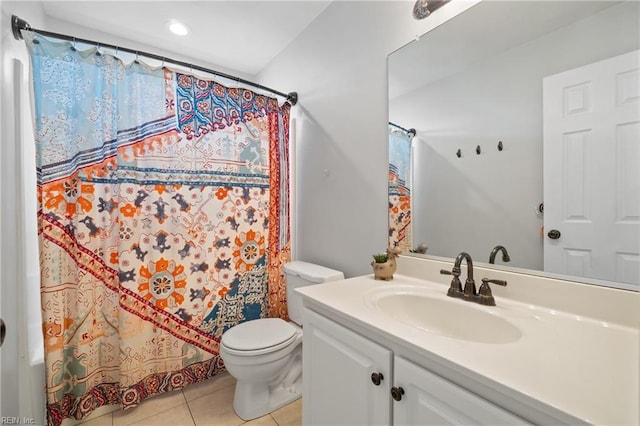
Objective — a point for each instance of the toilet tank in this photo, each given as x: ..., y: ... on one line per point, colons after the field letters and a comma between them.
x: 300, y: 274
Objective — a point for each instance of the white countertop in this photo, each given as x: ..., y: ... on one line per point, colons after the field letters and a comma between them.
x: 584, y: 367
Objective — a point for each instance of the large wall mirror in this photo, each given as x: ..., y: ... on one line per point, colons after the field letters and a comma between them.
x: 527, y: 120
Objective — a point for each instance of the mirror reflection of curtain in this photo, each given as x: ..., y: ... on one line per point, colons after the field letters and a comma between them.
x: 399, y: 189
x: 163, y: 221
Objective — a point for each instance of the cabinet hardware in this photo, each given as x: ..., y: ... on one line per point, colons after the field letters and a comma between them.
x: 396, y: 393
x: 377, y: 378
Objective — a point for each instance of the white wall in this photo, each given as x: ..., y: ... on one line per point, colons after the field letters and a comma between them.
x: 338, y: 66
x: 478, y: 201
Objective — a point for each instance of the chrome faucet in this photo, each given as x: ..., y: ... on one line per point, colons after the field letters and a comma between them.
x: 495, y: 251
x: 469, y: 293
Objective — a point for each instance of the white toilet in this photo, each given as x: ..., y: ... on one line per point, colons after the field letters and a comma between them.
x: 265, y: 355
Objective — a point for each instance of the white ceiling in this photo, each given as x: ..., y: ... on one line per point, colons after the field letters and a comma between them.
x: 238, y: 35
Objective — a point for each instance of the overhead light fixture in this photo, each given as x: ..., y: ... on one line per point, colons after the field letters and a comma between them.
x: 424, y: 8
x: 177, y: 27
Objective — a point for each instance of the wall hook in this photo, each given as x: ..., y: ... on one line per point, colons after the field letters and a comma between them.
x: 478, y: 150
x: 459, y: 153
x: 500, y: 147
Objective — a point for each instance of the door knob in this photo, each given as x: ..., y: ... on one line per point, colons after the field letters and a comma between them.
x: 3, y: 331
x: 554, y: 234
x: 396, y: 393
x: 377, y: 378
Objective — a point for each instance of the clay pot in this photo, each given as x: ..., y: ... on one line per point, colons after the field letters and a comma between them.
x: 384, y: 271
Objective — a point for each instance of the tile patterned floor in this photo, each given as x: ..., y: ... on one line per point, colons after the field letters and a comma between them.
x: 207, y: 403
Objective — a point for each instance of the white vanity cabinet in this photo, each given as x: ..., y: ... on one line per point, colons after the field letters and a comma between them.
x: 428, y: 399
x: 341, y: 386
x: 338, y: 365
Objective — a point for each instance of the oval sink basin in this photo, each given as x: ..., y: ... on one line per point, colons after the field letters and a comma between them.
x: 443, y: 315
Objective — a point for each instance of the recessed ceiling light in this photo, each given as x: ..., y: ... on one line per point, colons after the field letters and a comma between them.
x: 177, y: 27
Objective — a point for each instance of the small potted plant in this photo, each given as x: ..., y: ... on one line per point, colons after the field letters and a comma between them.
x: 384, y: 264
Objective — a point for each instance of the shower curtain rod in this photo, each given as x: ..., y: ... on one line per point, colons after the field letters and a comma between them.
x: 18, y: 24
x: 408, y: 131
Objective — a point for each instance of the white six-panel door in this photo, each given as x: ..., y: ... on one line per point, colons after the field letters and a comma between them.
x: 591, y: 170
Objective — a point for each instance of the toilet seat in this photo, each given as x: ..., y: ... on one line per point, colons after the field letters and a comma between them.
x: 259, y: 337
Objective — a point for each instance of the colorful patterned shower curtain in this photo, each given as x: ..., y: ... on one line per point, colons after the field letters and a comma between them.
x: 399, y: 190
x: 163, y: 221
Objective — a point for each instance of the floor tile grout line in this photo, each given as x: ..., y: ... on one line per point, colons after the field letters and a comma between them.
x: 274, y: 419
x: 154, y: 414
x: 208, y: 393
x: 189, y: 408
x: 145, y: 403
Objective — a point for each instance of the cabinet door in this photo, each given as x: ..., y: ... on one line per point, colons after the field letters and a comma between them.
x: 428, y: 399
x: 337, y: 385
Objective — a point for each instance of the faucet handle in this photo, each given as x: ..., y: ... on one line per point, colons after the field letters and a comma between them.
x: 503, y: 283
x: 485, y: 297
x: 455, y: 288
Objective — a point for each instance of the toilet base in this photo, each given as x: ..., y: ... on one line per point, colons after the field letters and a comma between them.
x: 252, y: 400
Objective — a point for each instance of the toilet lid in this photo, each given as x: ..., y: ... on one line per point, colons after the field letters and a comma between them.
x: 258, y: 334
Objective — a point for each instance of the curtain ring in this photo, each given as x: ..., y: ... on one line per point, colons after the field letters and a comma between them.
x: 73, y: 45
x: 98, y: 49
x: 136, y: 60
